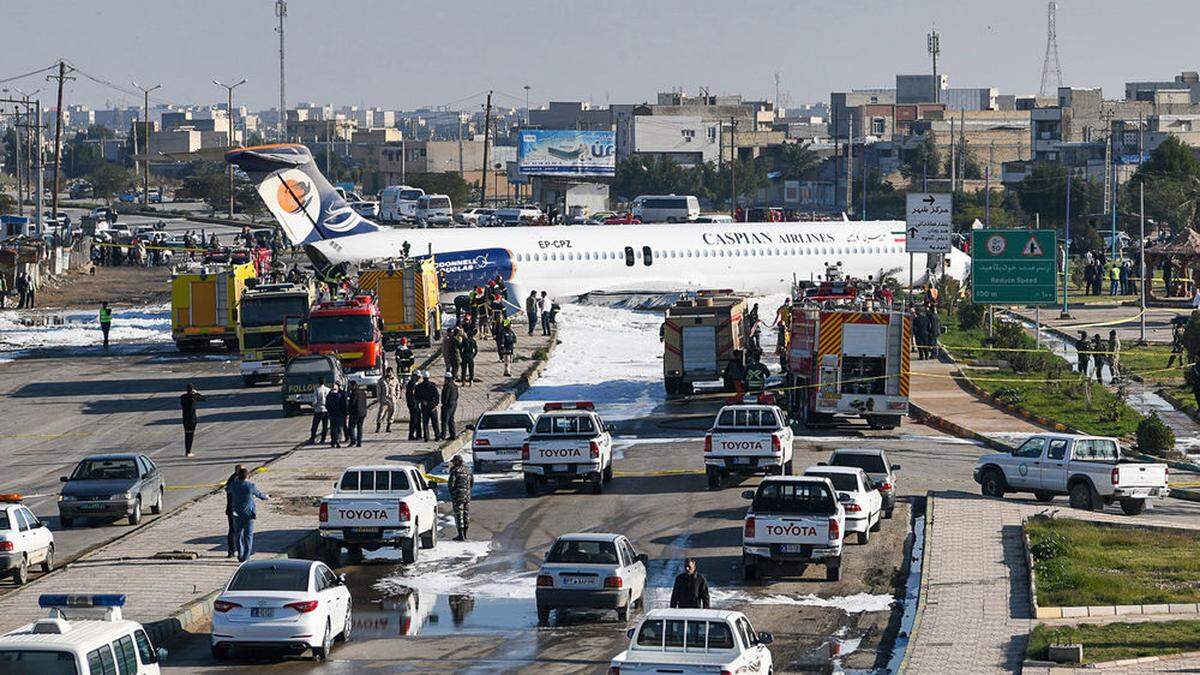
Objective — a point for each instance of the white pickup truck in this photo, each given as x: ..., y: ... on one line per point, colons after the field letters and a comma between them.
x: 747, y: 439
x: 793, y: 521
x: 1088, y: 469
x: 694, y: 641
x: 372, y: 507
x: 569, y: 442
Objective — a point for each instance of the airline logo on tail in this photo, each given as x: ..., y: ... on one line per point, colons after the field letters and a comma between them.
x: 293, y: 195
x: 290, y: 197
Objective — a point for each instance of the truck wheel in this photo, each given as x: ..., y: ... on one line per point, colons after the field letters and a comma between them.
x: 231, y: 345
x: 1043, y: 497
x: 687, y: 389
x: 787, y: 468
x: 992, y: 484
x: 714, y: 478
x: 408, y: 551
x: 249, y: 380
x: 833, y: 572
x: 608, y: 474
x: 220, y: 652
x: 597, y: 483
x: 531, y: 486
x: 671, y: 385
x: 429, y: 539
x: 1132, y: 507
x: 354, y: 554
x: 1081, y: 496
x: 67, y: 523
x: 290, y: 409
x: 749, y: 569
x: 864, y: 536
x: 543, y: 616
x: 623, y: 614
x: 783, y: 469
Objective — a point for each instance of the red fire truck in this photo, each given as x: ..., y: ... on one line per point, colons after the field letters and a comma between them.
x: 347, y: 328
x: 849, y: 363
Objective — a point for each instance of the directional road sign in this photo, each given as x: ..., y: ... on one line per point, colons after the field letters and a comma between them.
x: 928, y: 223
x: 1014, y: 267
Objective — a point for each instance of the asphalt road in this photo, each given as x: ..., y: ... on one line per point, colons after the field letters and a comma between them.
x: 57, y: 410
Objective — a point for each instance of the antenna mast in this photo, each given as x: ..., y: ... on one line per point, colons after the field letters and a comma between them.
x: 1051, y: 68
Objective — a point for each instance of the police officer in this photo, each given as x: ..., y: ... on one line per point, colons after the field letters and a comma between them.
x: 336, y: 406
x: 389, y: 396
x: 459, y: 484
x: 357, y: 408
x: 105, y: 321
x: 187, y: 402
x: 414, y: 408
x: 428, y: 398
x: 404, y: 358
x: 506, y: 344
x: 467, y: 349
x: 450, y: 351
x: 531, y: 310
x: 449, y: 406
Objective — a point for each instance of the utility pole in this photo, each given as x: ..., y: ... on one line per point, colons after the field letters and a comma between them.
x: 17, y: 135
x: 1115, y: 182
x: 934, y: 46
x: 953, y: 166
x: 863, y: 173
x: 1065, y: 313
x: 487, y: 129
x: 527, y: 87
x: 461, y: 168
x: 328, y: 147
x: 145, y: 141
x: 1142, y: 254
x: 987, y: 187
x: 281, y: 12
x: 850, y: 169
x: 732, y: 167
x: 229, y: 109
x: 37, y: 153
x: 58, y: 114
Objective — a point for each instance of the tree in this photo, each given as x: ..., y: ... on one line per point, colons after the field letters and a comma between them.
x: 449, y: 183
x: 884, y: 202
x: 749, y: 175
x: 924, y: 160
x: 966, y: 165
x: 796, y: 161
x: 10, y: 150
x: 7, y: 203
x: 1044, y: 192
x: 1171, y: 159
x: 108, y: 179
x: 972, y: 206
x: 640, y: 175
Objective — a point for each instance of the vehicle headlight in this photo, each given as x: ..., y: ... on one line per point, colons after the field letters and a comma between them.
x: 123, y: 497
x: 67, y: 498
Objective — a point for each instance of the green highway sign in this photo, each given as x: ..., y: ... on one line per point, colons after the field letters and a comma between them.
x: 1014, y: 267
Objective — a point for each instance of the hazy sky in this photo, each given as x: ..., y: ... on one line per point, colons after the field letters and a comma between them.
x: 402, y: 54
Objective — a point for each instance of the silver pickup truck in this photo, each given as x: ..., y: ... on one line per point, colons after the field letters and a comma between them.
x: 1089, y: 469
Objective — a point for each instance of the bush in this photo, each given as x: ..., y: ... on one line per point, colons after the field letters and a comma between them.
x: 1011, y: 335
x: 1191, y: 336
x: 1048, y: 546
x: 1154, y: 437
x: 541, y: 354
x: 1009, y: 395
x: 970, y: 315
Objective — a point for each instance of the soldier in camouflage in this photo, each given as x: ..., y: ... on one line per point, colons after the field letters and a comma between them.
x: 459, y: 485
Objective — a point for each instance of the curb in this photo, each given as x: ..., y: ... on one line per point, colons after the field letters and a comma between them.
x: 923, y: 592
x: 197, y: 614
x: 923, y: 416
x: 1106, y: 665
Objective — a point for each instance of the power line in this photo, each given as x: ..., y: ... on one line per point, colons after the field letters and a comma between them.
x: 14, y: 78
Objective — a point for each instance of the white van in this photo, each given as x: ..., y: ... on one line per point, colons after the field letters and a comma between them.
x: 666, y: 208
x: 84, y: 634
x: 434, y: 210
x: 398, y: 203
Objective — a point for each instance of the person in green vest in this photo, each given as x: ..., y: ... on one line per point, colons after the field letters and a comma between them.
x: 105, y: 321
x: 1114, y: 279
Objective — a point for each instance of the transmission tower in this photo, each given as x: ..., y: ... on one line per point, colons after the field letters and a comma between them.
x: 281, y: 12
x: 1051, y: 68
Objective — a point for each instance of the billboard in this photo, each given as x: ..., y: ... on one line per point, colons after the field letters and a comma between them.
x: 567, y: 153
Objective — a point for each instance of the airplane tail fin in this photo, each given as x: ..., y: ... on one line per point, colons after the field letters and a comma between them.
x: 297, y: 194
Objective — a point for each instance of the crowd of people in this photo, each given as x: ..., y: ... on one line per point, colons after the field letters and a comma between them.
x: 25, y: 287
x: 1120, y: 274
x: 1098, y: 352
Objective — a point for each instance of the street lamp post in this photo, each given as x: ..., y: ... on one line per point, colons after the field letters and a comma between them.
x: 229, y: 111
x: 527, y: 105
x: 146, y: 145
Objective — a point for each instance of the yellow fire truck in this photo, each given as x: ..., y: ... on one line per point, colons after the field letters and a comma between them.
x: 260, y: 327
x: 204, y: 303
x: 407, y: 292
x: 700, y: 336
x: 849, y: 363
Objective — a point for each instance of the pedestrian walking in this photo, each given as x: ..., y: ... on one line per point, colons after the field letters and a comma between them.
x: 544, y: 312
x: 449, y: 406
x: 1176, y: 346
x: 920, y: 330
x: 242, y: 494
x: 337, y: 407
x: 506, y: 344
x: 414, y: 408
x: 468, y: 348
x: 187, y: 402
x: 1114, y: 354
x: 320, y: 412
x: 459, y: 484
x: 428, y: 398
x: 531, y: 310
x: 31, y: 294
x: 404, y: 358
x: 22, y: 287
x: 388, y: 396
x: 933, y: 334
x: 231, y: 535
x: 105, y: 321
x: 450, y: 351
x: 1082, y: 348
x: 691, y: 588
x: 1098, y: 356
x: 356, y: 410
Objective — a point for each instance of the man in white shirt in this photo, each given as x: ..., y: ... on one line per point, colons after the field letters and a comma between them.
x: 544, y: 312
x: 320, y: 414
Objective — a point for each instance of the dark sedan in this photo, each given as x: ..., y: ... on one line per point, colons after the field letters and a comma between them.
x: 110, y: 487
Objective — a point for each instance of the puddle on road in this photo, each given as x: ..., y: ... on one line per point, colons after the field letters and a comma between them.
x: 416, y: 612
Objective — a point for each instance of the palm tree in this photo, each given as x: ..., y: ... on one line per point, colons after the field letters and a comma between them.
x: 796, y: 160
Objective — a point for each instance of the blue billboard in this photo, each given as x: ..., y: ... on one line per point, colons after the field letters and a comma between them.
x: 567, y: 153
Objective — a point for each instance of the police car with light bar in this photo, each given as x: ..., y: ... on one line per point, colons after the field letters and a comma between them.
x: 84, y: 634
x: 24, y: 540
x: 569, y: 442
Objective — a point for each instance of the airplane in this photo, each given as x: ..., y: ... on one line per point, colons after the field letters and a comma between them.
x: 569, y: 261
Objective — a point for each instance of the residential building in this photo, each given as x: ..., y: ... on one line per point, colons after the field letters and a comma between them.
x: 687, y: 140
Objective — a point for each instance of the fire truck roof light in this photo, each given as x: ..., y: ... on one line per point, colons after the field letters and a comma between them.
x: 10, y: 497
x: 67, y: 600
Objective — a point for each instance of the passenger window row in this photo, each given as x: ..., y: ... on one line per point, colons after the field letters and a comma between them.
x: 737, y: 252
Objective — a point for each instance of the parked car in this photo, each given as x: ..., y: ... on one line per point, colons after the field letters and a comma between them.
x: 515, y: 215
x: 691, y: 641
x: 714, y: 218
x: 591, y: 570
x: 626, y: 219
x: 289, y: 603
x: 373, y: 507
x: 111, y: 486
x: 793, y: 521
x: 859, y: 497
x: 875, y: 463
x: 473, y: 216
x: 25, y: 541
x: 366, y: 209
x: 1089, y: 469
x: 497, y: 437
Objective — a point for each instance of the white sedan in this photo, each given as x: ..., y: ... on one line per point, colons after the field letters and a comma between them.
x: 297, y: 605
x: 591, y: 570
x: 858, y: 495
